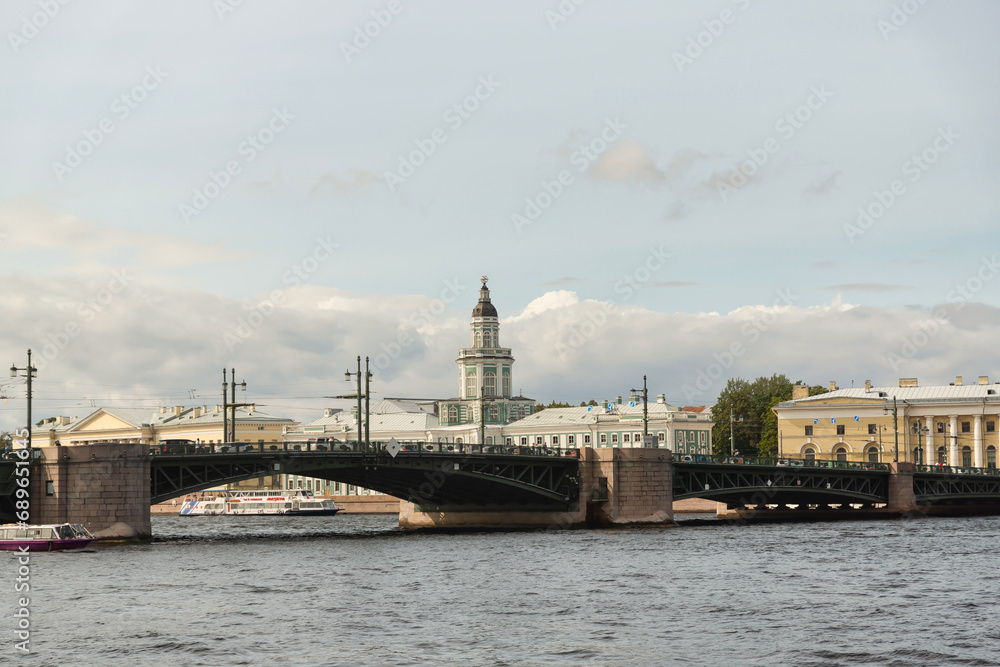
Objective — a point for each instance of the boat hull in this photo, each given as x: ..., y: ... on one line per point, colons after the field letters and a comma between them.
x: 43, y: 545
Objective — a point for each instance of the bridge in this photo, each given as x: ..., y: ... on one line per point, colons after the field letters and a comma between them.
x: 455, y: 485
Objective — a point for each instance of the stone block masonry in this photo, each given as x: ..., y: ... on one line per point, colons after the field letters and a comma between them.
x: 104, y: 486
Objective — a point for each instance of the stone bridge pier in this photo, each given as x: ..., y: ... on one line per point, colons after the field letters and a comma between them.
x: 617, y: 487
x: 104, y: 486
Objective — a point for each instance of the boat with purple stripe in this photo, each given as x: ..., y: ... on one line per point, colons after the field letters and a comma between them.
x: 48, y: 537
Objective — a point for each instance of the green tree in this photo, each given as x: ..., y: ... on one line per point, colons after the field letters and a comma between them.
x: 744, y: 411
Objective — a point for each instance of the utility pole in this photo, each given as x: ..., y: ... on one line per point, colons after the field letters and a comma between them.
x: 225, y: 406
x: 368, y: 400
x: 645, y: 411
x: 732, y: 435
x: 347, y: 378
x: 234, y: 405
x: 895, y: 425
x: 30, y: 372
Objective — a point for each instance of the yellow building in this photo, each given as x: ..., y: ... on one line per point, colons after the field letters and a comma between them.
x: 952, y: 425
x: 151, y: 426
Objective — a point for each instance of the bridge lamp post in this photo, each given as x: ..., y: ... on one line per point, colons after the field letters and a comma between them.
x: 347, y: 378
x: 895, y: 422
x: 30, y: 372
x: 645, y: 411
x: 920, y: 430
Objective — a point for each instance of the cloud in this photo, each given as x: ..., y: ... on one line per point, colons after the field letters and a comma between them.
x: 346, y: 184
x: 671, y: 283
x: 866, y: 287
x: 147, y: 345
x: 823, y: 186
x: 628, y: 161
x: 91, y: 246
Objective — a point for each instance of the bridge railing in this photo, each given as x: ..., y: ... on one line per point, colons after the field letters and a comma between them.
x: 372, y: 448
x: 778, y: 461
x: 957, y: 470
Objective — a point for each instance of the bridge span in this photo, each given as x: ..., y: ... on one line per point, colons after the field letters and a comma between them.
x: 445, y: 486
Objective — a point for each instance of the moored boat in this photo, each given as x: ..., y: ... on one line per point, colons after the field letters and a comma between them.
x: 48, y: 537
x: 291, y: 502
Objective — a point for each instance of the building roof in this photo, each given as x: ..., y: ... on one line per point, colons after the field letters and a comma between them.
x: 139, y: 417
x: 484, y: 308
x: 929, y: 394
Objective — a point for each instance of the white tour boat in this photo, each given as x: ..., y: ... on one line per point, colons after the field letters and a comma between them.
x: 296, y: 502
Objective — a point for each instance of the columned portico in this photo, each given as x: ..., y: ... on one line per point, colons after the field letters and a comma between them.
x: 930, y: 454
x: 977, y: 434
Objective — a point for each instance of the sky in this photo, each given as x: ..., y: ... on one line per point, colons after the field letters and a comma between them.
x: 687, y: 191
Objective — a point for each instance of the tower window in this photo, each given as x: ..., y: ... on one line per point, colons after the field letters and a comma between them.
x: 494, y: 413
x: 490, y: 381
x: 470, y: 385
x: 506, y: 385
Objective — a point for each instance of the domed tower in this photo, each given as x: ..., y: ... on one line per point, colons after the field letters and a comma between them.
x: 485, y: 378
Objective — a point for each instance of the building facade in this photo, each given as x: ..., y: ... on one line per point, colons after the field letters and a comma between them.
x: 952, y: 425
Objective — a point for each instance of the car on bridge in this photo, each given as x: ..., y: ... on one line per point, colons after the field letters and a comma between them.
x: 177, y: 447
x: 233, y: 448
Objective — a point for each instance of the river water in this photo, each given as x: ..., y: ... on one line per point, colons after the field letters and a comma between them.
x: 355, y: 590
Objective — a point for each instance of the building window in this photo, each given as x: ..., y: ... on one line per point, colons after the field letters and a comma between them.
x: 458, y: 441
x: 509, y: 442
x: 840, y: 429
x: 586, y: 438
x: 966, y: 456
x: 494, y: 413
x: 637, y: 437
x: 470, y: 385
x: 524, y: 440
x: 625, y: 437
x: 872, y: 429
x: 940, y: 427
x: 555, y: 441
x: 991, y: 427
x: 479, y: 339
x: 810, y: 454
x: 50, y: 489
x: 570, y: 439
x: 942, y: 457
x: 841, y: 454
x: 614, y: 438
x: 966, y: 427
x: 538, y: 439
x: 991, y: 457
x: 873, y: 454
x: 506, y: 385
x: 809, y: 430
x: 661, y: 436
x: 490, y: 381
x: 604, y: 438
x: 452, y: 413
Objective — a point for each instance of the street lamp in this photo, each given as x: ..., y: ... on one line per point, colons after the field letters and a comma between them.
x: 645, y: 411
x: 920, y: 430
x: 895, y: 423
x: 347, y: 378
x: 30, y: 372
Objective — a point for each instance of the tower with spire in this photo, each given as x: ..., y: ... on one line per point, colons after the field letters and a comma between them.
x: 484, y: 374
